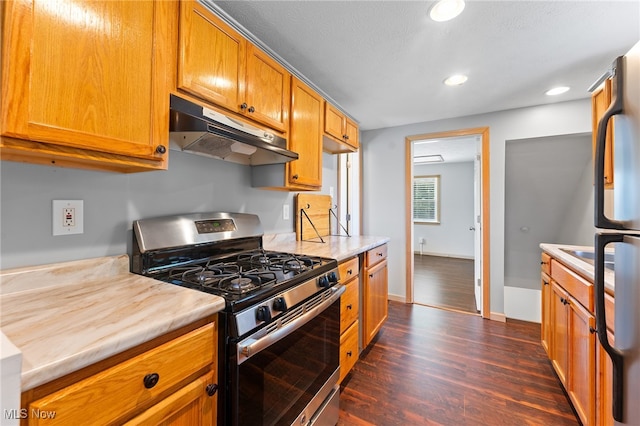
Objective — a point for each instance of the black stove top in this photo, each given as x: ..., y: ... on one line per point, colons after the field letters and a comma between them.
x: 247, y: 277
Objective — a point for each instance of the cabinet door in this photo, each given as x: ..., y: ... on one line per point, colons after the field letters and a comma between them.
x: 88, y: 75
x: 600, y: 100
x: 375, y: 300
x: 268, y: 90
x: 351, y: 133
x: 348, y: 350
x: 211, y: 60
x: 305, y: 136
x: 334, y: 122
x: 546, y: 313
x: 582, y: 352
x: 189, y: 406
x: 559, y: 332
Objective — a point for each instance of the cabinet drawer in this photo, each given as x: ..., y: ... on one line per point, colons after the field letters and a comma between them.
x: 348, y: 270
x: 578, y: 287
x: 376, y: 255
x: 348, y: 350
x: 545, y: 263
x: 349, y: 306
x: 121, y: 389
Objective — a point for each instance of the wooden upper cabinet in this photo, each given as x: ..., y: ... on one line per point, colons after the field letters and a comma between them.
x: 600, y: 101
x: 217, y: 64
x: 341, y: 133
x: 268, y: 90
x: 211, y: 63
x: 86, y: 84
x: 305, y: 136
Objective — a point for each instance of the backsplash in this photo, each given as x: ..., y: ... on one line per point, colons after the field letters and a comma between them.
x: 113, y: 201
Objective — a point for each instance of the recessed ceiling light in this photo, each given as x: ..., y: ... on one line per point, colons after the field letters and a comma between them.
x: 455, y: 80
x: 557, y: 91
x: 445, y: 10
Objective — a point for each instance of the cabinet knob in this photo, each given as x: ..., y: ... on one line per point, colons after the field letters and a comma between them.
x: 294, y: 176
x: 345, y: 137
x: 349, y: 271
x: 370, y: 275
x: 150, y: 380
x: 244, y: 105
x: 592, y: 330
x: 161, y: 149
x: 251, y: 109
x: 545, y: 282
x: 349, y: 353
x: 544, y: 263
x: 379, y: 254
x: 349, y: 306
x: 212, y: 389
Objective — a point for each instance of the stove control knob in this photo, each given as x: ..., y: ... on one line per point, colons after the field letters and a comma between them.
x: 279, y: 304
x: 323, y: 281
x: 263, y: 313
x: 333, y: 277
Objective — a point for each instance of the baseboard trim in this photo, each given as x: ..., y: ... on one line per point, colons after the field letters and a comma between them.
x: 496, y: 316
x: 455, y: 256
x: 396, y: 298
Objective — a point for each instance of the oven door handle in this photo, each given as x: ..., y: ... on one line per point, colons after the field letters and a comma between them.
x: 252, y: 346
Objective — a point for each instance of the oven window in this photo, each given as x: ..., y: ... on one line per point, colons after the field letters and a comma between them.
x: 277, y: 384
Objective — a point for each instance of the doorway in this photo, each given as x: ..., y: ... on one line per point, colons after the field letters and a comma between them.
x: 475, y: 281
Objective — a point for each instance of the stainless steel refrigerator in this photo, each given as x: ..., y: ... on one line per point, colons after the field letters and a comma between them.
x: 622, y: 230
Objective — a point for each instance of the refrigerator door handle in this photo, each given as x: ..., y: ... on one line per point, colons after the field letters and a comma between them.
x: 617, y: 359
x: 615, y: 108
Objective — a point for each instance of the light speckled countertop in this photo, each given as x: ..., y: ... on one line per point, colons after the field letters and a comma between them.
x: 66, y: 316
x: 339, y: 248
x: 581, y: 267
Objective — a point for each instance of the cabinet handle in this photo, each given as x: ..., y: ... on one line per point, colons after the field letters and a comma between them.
x: 545, y: 282
x: 349, y: 306
x: 544, y: 263
x: 161, y: 149
x: 212, y: 389
x: 379, y: 254
x: 150, y: 380
x: 295, y: 177
x: 243, y: 106
x: 349, y: 353
x: 592, y: 330
x: 349, y: 271
x: 370, y: 275
x: 251, y: 109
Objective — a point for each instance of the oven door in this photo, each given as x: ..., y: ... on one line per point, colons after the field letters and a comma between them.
x: 288, y: 371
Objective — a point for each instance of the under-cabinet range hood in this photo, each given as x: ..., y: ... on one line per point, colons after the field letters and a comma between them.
x: 200, y: 130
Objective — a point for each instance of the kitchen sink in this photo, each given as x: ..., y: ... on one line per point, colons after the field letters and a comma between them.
x: 589, y: 257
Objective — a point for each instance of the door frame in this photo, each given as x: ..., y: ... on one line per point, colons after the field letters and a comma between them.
x: 484, y: 161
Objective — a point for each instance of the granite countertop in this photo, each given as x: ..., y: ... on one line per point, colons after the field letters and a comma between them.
x: 581, y: 267
x: 66, y: 316
x: 335, y: 247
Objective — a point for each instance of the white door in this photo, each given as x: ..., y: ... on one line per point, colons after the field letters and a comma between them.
x: 476, y: 227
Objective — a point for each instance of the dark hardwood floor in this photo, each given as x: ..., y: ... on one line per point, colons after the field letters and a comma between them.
x: 430, y: 366
x: 444, y: 282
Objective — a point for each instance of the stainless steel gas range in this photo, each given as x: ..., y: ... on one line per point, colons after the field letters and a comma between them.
x: 279, y: 333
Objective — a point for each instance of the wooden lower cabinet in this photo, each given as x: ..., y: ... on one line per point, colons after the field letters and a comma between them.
x: 545, y: 331
x: 604, y: 385
x: 349, y: 314
x: 169, y: 383
x: 189, y: 406
x: 570, y: 339
x: 375, y: 297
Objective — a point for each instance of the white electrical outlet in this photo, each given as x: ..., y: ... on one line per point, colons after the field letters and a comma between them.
x: 68, y: 217
x: 285, y: 212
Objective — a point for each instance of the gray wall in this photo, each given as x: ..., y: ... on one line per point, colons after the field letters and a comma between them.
x: 113, y: 201
x: 452, y: 236
x: 548, y: 199
x: 384, y: 200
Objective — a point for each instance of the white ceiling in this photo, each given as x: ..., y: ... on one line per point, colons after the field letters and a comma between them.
x: 384, y: 62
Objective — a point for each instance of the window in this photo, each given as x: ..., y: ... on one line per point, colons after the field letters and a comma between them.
x: 426, y: 199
